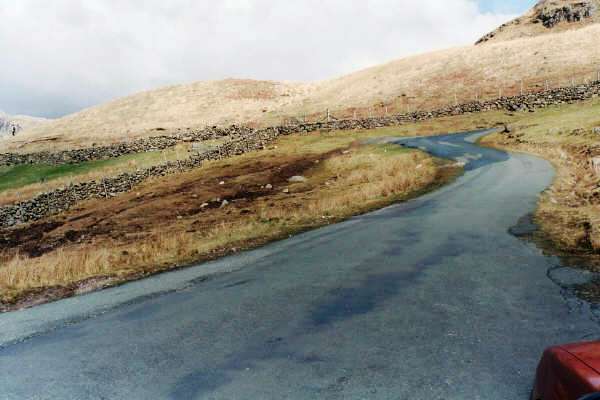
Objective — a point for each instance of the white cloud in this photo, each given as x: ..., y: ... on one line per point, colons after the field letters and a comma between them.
x: 63, y: 55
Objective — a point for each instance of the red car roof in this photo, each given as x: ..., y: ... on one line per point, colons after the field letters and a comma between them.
x: 569, y: 372
x: 588, y: 353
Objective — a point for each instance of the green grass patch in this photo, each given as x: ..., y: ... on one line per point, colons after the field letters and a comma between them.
x: 22, y: 175
x: 18, y: 176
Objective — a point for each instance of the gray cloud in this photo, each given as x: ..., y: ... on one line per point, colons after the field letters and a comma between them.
x: 61, y: 56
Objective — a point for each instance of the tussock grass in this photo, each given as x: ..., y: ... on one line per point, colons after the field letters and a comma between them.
x: 357, y: 181
x: 569, y: 211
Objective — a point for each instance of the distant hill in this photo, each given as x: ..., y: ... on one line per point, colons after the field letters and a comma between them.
x: 556, y: 58
x: 18, y: 122
x: 548, y: 16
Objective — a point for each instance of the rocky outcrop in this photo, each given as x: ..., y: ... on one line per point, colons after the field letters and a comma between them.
x: 243, y: 140
x: 10, y: 124
x: 8, y: 127
x: 545, y: 17
x: 551, y: 15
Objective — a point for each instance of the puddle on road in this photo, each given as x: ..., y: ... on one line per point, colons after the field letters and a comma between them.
x: 574, y: 273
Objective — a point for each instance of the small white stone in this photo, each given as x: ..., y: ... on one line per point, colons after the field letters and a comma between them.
x: 297, y: 178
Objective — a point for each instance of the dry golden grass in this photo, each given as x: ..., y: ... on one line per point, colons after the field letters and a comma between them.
x: 524, y: 26
x: 338, y: 187
x: 570, y: 210
x: 418, y: 82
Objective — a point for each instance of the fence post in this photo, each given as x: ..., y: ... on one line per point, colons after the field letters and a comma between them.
x: 178, y: 160
x: 328, y: 116
x: 355, y: 115
x: 522, y: 89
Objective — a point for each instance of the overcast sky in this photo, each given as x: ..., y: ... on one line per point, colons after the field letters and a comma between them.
x: 61, y: 56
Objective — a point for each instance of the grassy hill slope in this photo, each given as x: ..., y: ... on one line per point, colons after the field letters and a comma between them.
x: 422, y: 81
x: 548, y: 16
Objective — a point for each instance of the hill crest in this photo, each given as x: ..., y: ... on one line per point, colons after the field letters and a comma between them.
x: 547, y: 16
x: 426, y: 81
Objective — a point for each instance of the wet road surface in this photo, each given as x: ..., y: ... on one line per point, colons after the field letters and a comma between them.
x: 429, y: 299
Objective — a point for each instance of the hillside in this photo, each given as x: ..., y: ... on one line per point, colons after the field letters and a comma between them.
x: 548, y: 16
x: 19, y: 122
x: 424, y: 81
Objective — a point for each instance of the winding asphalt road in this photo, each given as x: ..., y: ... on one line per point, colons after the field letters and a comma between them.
x: 429, y: 299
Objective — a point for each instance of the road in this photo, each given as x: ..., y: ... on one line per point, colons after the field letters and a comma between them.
x: 429, y: 299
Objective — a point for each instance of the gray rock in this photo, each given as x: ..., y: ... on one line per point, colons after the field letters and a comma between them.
x: 297, y: 178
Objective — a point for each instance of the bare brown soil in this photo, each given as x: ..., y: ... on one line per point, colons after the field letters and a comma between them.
x: 195, y: 203
x: 230, y: 196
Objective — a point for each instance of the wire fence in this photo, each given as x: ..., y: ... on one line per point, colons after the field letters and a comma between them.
x: 426, y: 99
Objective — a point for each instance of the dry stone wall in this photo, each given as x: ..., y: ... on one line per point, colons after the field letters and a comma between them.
x: 244, y: 140
x: 120, y: 149
x: 62, y: 199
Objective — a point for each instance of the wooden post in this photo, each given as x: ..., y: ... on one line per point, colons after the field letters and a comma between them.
x: 386, y: 111
x: 355, y: 115
x: 328, y: 116
x: 178, y: 160
x: 522, y: 89
x: 547, y: 85
x: 455, y: 99
x: 477, y: 97
x: 573, y: 82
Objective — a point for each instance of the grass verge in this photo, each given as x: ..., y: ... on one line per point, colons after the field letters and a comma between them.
x: 569, y: 211
x: 223, y: 207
